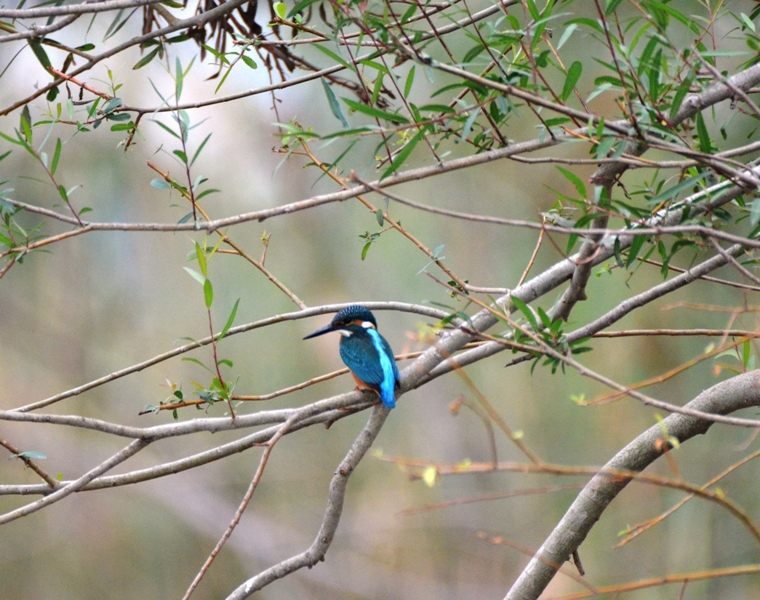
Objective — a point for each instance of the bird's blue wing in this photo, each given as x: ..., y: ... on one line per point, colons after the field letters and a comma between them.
x: 361, y: 356
x: 371, y: 359
x: 389, y: 353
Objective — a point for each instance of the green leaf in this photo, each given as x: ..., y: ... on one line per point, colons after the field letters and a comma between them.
x: 200, y: 255
x: 30, y: 454
x: 123, y: 126
x: 160, y: 184
x: 604, y: 147
x: 545, y: 318
x: 747, y: 22
x: 365, y: 250
x: 611, y: 6
x: 8, y: 138
x: 377, y: 88
x: 533, y: 10
x: 280, y: 9
x: 346, y: 132
x: 704, y: 138
x: 36, y: 45
x: 567, y: 33
x: 409, y: 13
x: 205, y: 193
x: 198, y: 151
x: 216, y: 54
x: 195, y: 275
x: 633, y: 251
x: 112, y: 105
x: 26, y: 125
x: 335, y: 107
x: 676, y: 189
x: 526, y: 311
x: 379, y: 217
x: 56, y: 156
x: 467, y: 127
x: 336, y: 57
x: 208, y: 293
x: 117, y: 23
x: 403, y: 155
x: 442, y: 108
x: 754, y: 212
x: 616, y: 251
x: 230, y: 320
x: 573, y: 75
x: 374, y: 112
x: 409, y: 79
x: 299, y: 7
x: 146, y: 59
x: 576, y: 181
x: 249, y: 61
x: 63, y: 194
x: 119, y: 117
x: 197, y: 362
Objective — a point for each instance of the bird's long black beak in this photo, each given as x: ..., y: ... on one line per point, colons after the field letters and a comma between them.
x: 324, y: 330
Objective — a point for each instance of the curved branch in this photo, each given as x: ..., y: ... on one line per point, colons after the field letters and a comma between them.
x: 76, y: 485
x: 301, y: 314
x: 71, y: 9
x: 742, y: 391
x: 316, y: 552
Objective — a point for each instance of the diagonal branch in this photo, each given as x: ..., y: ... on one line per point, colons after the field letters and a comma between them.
x: 316, y: 552
x: 76, y: 485
x: 742, y: 391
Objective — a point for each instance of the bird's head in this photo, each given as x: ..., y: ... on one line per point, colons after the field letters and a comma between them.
x: 352, y: 319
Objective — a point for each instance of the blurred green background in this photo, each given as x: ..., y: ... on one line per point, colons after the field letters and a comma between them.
x: 103, y: 301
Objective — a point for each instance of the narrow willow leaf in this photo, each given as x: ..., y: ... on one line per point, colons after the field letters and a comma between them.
x: 195, y: 275
x: 230, y: 320
x: 409, y: 79
x: 36, y: 45
x: 200, y: 255
x: 575, y: 180
x: 208, y: 293
x: 403, y: 155
x: 335, y: 107
x: 200, y: 148
x: 526, y: 312
x: 633, y: 251
x: 160, y: 184
x: 146, y: 59
x: 467, y: 128
x: 299, y: 7
x: 573, y: 75
x: 375, y: 112
x: 56, y: 156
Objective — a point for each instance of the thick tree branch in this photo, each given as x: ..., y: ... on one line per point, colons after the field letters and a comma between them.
x: 742, y: 391
x: 316, y: 552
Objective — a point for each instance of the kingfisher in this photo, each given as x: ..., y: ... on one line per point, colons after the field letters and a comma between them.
x: 366, y: 353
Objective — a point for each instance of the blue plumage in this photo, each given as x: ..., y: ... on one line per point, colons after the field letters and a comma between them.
x: 366, y: 353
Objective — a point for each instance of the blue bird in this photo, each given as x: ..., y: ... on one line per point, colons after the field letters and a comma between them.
x: 366, y: 353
